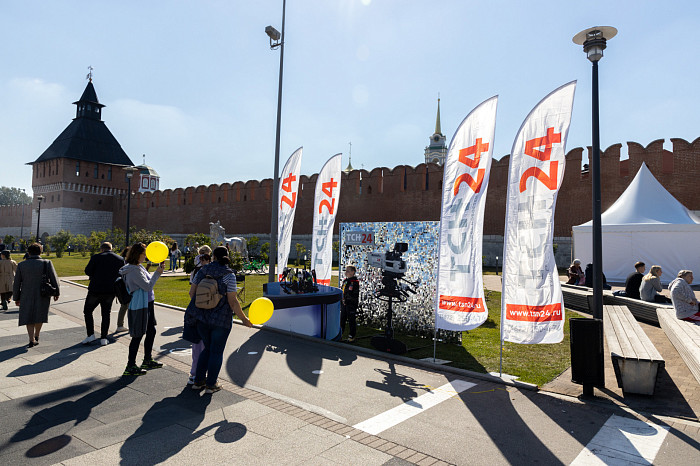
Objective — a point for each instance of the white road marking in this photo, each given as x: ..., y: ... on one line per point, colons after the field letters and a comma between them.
x: 623, y: 440
x: 317, y: 372
x: 252, y: 352
x: 394, y: 416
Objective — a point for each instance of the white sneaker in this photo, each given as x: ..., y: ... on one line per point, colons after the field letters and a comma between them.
x: 89, y: 340
x: 121, y: 329
x: 104, y: 342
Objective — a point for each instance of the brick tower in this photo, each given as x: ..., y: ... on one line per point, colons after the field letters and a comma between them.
x: 80, y: 175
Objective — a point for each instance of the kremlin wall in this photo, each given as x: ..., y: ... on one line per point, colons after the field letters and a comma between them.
x: 402, y: 193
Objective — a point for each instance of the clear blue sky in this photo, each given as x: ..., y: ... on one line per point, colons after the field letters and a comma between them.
x: 193, y: 84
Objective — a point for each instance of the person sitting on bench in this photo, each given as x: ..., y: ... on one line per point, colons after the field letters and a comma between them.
x: 634, y: 281
x: 651, y: 285
x: 684, y: 301
x: 575, y: 273
x: 589, y: 278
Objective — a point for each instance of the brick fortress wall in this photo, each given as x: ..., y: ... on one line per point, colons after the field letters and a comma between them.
x: 400, y: 194
x: 409, y: 194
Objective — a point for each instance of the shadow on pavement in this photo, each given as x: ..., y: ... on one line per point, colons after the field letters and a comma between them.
x: 304, y: 358
x: 398, y: 385
x: 184, y: 413
x: 77, y: 410
x: 54, y: 361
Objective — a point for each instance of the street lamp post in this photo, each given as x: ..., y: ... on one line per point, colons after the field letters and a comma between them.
x: 276, y: 40
x: 129, y: 174
x: 21, y: 227
x: 38, y: 217
x: 594, y: 42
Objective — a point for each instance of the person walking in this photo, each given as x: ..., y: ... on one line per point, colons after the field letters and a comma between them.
x: 27, y: 292
x: 189, y: 329
x: 7, y: 276
x: 122, y: 307
x: 103, y: 270
x: 349, y: 303
x: 141, y: 313
x: 214, y: 325
x: 174, y: 256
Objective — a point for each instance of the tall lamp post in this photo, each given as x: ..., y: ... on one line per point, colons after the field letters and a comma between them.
x: 594, y: 42
x: 276, y: 40
x: 129, y: 174
x: 38, y: 216
x: 21, y: 227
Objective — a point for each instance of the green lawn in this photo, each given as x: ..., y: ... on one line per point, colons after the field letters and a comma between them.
x: 479, y: 351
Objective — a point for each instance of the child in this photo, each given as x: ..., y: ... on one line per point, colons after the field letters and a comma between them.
x: 190, y: 331
x: 351, y: 298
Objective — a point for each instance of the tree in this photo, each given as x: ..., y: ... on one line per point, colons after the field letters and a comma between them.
x: 95, y: 240
x: 146, y: 237
x: 13, y: 196
x: 59, y: 241
x: 117, y: 237
x: 253, y: 245
x: 265, y: 251
x: 300, y: 251
x: 199, y: 238
x: 8, y: 239
x: 236, y: 261
x: 80, y: 243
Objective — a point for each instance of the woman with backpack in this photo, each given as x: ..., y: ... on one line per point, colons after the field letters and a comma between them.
x: 141, y: 313
x: 214, y: 323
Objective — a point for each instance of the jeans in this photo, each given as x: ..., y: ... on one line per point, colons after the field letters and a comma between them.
x: 122, y: 314
x: 350, y: 316
x: 104, y: 300
x: 148, y: 342
x: 172, y: 262
x: 196, y: 351
x: 211, y: 358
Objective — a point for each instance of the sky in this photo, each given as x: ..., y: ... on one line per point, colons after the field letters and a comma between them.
x: 193, y: 84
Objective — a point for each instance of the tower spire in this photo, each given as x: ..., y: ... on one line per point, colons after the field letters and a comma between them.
x: 349, y: 167
x: 438, y: 130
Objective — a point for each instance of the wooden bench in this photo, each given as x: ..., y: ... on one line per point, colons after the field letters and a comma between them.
x: 635, y: 358
x: 685, y: 337
x: 642, y: 310
x: 579, y: 298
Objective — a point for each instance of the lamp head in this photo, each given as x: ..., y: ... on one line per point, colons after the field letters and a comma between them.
x: 40, y: 198
x: 594, y: 40
x: 272, y: 33
x: 130, y: 171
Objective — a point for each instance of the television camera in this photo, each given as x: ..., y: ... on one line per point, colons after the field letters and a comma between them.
x: 395, y: 287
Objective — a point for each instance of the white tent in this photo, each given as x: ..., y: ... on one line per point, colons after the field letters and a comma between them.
x: 645, y: 224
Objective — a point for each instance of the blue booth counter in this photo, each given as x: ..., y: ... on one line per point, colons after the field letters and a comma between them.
x: 313, y: 314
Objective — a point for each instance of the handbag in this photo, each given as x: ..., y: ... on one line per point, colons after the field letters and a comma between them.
x: 121, y: 292
x: 47, y: 288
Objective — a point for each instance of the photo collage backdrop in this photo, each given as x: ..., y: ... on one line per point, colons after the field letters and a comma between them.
x: 417, y: 315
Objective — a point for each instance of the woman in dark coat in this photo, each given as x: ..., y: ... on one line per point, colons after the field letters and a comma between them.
x: 26, y: 290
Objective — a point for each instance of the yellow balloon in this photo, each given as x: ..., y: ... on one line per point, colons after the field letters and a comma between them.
x: 157, y: 252
x: 260, y: 311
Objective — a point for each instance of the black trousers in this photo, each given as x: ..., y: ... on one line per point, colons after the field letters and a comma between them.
x: 148, y: 342
x: 104, y: 300
x: 348, y: 314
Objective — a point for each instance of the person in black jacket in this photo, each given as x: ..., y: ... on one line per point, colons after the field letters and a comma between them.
x: 634, y: 281
x: 351, y: 299
x: 103, y: 270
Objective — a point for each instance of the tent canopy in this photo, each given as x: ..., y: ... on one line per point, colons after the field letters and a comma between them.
x: 645, y: 223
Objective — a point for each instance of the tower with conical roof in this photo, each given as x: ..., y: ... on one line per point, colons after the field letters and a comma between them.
x: 80, y: 174
x: 436, y: 151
